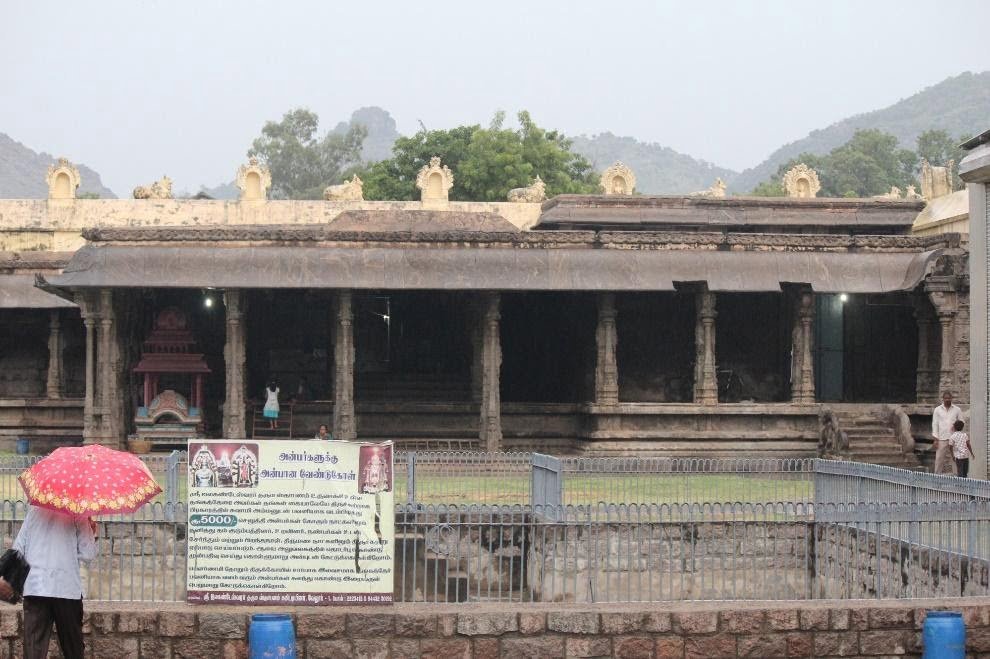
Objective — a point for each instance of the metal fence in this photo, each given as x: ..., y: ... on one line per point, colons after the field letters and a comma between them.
x: 529, y: 527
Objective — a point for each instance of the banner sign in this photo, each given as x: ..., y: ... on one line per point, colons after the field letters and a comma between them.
x: 290, y: 522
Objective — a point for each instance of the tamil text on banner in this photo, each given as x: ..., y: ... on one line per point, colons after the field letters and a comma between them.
x: 290, y: 522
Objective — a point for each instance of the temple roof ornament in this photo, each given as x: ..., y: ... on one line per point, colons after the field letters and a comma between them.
x: 802, y: 182
x: 618, y: 179
x: 161, y: 189
x: 253, y: 180
x: 717, y: 190
x: 533, y: 193
x: 63, y: 179
x: 434, y: 181
x: 352, y: 190
x: 936, y: 181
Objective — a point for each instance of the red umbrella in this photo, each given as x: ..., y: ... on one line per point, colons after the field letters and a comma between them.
x: 89, y: 480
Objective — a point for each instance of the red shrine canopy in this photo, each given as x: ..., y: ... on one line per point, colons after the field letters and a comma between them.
x: 168, y: 349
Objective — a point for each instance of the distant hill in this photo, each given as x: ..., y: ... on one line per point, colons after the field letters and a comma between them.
x: 22, y: 173
x: 381, y: 132
x: 959, y: 105
x: 659, y: 169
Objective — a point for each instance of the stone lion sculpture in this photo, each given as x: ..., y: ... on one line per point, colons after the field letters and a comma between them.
x: 352, y: 190
x: 534, y: 193
x: 717, y: 190
x: 158, y: 190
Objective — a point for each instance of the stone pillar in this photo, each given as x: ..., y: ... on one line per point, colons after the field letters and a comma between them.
x: 706, y: 382
x: 89, y: 318
x: 54, y: 384
x: 606, y: 339
x: 491, y: 355
x: 344, y: 425
x: 925, y: 391
x: 803, y: 366
x: 946, y: 306
x: 105, y: 365
x: 234, y: 357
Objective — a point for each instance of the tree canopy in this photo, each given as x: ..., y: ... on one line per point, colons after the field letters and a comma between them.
x: 869, y: 164
x: 303, y: 164
x: 487, y: 162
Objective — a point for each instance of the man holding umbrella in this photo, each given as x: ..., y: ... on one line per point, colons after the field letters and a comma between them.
x: 53, y: 543
x: 65, y: 490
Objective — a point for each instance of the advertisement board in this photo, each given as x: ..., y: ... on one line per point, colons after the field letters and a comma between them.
x: 290, y: 522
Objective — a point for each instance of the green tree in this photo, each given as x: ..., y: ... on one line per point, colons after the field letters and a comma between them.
x: 487, y: 162
x: 303, y: 164
x: 869, y: 164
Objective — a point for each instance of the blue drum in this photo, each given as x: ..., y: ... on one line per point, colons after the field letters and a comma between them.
x: 944, y: 635
x: 271, y: 636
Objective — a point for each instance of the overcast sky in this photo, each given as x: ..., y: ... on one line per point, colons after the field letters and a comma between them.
x: 140, y: 89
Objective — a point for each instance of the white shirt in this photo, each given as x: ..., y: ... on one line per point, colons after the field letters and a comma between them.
x: 959, y: 441
x: 942, y: 420
x: 53, y: 544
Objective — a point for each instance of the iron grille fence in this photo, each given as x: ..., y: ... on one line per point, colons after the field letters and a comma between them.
x: 531, y: 527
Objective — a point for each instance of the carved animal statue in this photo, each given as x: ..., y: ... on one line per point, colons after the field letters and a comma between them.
x: 716, y: 190
x: 158, y: 190
x: 912, y: 193
x: 534, y: 193
x: 895, y: 193
x: 352, y: 190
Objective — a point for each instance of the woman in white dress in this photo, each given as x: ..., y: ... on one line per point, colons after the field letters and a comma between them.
x: 271, y: 404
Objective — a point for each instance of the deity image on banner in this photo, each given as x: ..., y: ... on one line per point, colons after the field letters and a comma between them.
x: 222, y: 464
x: 375, y: 464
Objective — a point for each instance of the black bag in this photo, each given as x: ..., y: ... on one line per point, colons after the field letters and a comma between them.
x: 14, y: 569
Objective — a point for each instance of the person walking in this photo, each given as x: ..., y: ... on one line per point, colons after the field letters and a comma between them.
x: 962, y: 450
x: 53, y: 544
x: 944, y: 418
x: 271, y: 404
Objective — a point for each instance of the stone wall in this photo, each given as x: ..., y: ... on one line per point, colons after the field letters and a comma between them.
x: 39, y: 224
x: 711, y: 631
x: 849, y: 564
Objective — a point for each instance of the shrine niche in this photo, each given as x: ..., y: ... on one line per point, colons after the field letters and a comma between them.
x: 801, y: 182
x: 435, y: 181
x: 618, y: 179
x: 63, y: 180
x: 253, y: 180
x: 166, y: 415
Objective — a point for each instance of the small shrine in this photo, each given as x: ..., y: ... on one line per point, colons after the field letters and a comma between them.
x: 168, y: 355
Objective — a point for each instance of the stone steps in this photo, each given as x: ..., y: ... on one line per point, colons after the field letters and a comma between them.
x: 872, y: 441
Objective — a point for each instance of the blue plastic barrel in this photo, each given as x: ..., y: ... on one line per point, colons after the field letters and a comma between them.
x: 271, y: 636
x: 23, y: 445
x: 944, y: 635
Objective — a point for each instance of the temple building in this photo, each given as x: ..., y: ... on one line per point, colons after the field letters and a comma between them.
x: 611, y: 324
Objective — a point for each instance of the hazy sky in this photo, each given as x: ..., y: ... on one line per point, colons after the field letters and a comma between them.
x: 140, y: 89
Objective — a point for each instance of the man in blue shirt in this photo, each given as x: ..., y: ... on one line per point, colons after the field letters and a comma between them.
x: 53, y: 544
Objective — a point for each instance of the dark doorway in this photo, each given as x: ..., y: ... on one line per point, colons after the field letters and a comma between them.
x: 547, y: 347
x: 752, y: 347
x: 656, y: 347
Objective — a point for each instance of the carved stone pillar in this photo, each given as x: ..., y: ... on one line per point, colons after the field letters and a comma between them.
x: 946, y: 306
x: 234, y: 357
x: 706, y: 384
x: 925, y: 389
x: 491, y: 355
x: 89, y: 386
x: 803, y: 366
x: 344, y: 425
x: 54, y: 384
x: 606, y: 339
x: 105, y: 364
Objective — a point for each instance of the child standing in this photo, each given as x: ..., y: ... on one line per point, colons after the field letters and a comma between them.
x: 271, y: 404
x: 961, y: 448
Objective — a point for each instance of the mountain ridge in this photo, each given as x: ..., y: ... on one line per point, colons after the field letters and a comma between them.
x: 23, y: 171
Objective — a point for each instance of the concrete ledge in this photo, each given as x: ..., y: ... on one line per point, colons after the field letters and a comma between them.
x: 857, y: 628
